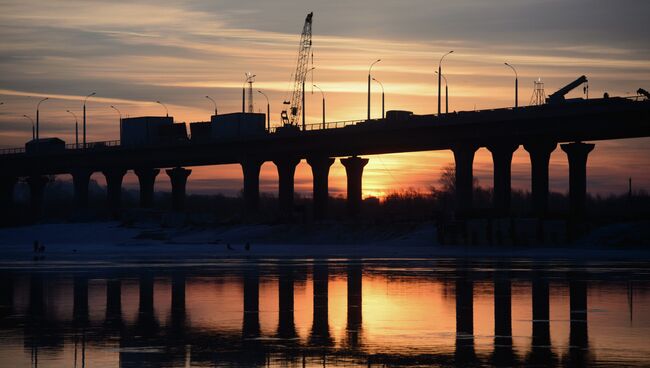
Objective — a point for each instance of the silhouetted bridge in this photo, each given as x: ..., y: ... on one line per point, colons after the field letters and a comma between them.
x: 538, y: 128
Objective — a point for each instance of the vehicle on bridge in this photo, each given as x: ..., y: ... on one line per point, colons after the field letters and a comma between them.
x: 151, y: 130
x: 45, y: 145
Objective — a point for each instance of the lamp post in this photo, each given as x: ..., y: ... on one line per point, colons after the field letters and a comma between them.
x: 33, y: 130
x: 440, y: 77
x: 76, y: 128
x: 268, y: 111
x: 84, y: 135
x: 120, y: 114
x: 166, y: 109
x: 323, y: 95
x: 383, y: 115
x: 369, y: 77
x: 214, y: 103
x: 304, y: 105
x: 38, y: 105
x: 446, y: 94
x: 516, y: 84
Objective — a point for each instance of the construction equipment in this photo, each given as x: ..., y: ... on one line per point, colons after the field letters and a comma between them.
x: 558, y: 97
x: 291, y: 115
x: 643, y: 92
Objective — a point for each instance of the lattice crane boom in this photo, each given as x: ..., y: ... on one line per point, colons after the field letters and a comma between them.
x: 291, y: 115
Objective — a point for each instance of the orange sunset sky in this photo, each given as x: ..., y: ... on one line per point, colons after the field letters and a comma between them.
x: 132, y: 53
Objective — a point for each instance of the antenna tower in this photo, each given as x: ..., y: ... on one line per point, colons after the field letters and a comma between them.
x: 538, y: 97
x: 250, y: 78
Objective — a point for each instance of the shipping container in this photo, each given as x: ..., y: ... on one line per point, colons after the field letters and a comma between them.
x: 143, y: 130
x: 238, y: 125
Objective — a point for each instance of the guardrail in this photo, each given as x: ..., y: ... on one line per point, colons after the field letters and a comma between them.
x: 12, y: 151
x: 328, y: 125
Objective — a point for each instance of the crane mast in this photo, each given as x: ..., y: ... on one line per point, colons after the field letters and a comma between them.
x: 292, y: 114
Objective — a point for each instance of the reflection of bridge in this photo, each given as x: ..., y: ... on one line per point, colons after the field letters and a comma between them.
x: 145, y: 340
x: 538, y: 128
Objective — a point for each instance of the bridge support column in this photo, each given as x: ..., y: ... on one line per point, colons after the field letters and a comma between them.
x: 464, y: 157
x: 354, y: 169
x: 577, y: 153
x: 502, y: 161
x: 540, y: 154
x: 286, y: 171
x: 36, y: 191
x: 114, y: 189
x: 320, y: 168
x: 251, y: 170
x: 178, y: 177
x: 80, y: 181
x: 147, y: 179
x: 7, y: 184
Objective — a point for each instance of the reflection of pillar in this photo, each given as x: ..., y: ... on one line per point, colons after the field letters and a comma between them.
x: 7, y: 185
x: 286, y: 170
x: 114, y: 189
x: 6, y: 294
x: 251, y: 170
x: 286, y: 324
x: 577, y: 153
x: 577, y: 355
x: 146, y: 318
x: 113, y: 300
x: 320, y: 168
x: 80, y: 182
x: 502, y: 161
x: 354, y: 169
x: 178, y: 177
x: 540, y: 154
x: 147, y: 179
x: 464, y: 319
x: 36, y: 309
x: 36, y: 192
x: 178, y: 304
x: 80, y: 301
x: 251, y: 324
x: 541, y: 352
x: 355, y: 312
x: 464, y: 157
x: 320, y: 330
x: 503, y: 352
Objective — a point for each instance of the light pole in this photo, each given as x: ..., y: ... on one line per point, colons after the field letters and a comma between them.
x: 369, y: 77
x: 120, y: 114
x: 383, y: 115
x: 166, y: 109
x: 214, y: 103
x: 268, y: 111
x: 304, y: 105
x: 33, y: 130
x: 440, y: 77
x: 76, y: 128
x: 38, y: 105
x: 516, y: 84
x: 446, y: 94
x: 323, y: 95
x: 86, y: 99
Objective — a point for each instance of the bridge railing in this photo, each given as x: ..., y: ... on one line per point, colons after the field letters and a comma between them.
x: 328, y: 125
x: 12, y: 151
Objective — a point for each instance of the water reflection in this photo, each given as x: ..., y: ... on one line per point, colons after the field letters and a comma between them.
x: 339, y: 313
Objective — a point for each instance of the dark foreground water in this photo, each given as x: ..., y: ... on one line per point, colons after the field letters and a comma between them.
x: 295, y: 313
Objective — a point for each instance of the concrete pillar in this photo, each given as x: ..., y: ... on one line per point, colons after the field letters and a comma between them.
x: 251, y: 170
x: 147, y: 179
x: 502, y: 161
x: 355, y: 300
x: 36, y: 191
x: 577, y: 153
x: 7, y: 184
x: 286, y: 323
x: 354, y: 169
x: 80, y: 181
x: 251, y: 321
x: 286, y: 170
x: 540, y: 154
x: 464, y: 158
x: 320, y: 168
x: 178, y: 177
x: 114, y: 189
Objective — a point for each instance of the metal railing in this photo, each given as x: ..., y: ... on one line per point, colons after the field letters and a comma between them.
x: 12, y: 151
x: 328, y: 125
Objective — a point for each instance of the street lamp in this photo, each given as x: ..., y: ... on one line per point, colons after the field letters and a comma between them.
x: 383, y: 116
x: 86, y: 99
x: 369, y: 77
x: 37, y: 115
x: 323, y: 95
x: 268, y: 111
x: 33, y: 130
x: 214, y: 103
x: 516, y: 84
x: 446, y: 94
x: 304, y: 106
x: 120, y: 114
x: 440, y: 76
x: 166, y: 109
x: 76, y: 128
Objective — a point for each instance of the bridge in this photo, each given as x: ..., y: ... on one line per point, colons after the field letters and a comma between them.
x: 538, y: 128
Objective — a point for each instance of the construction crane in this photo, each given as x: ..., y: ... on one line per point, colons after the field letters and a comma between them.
x: 558, y: 97
x: 291, y: 115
